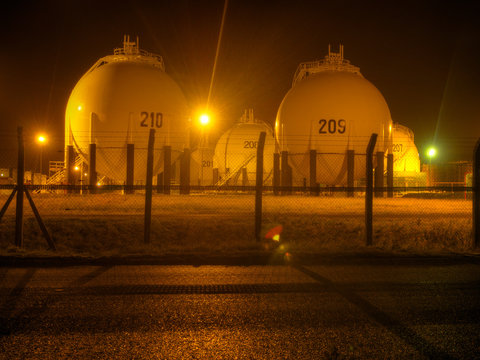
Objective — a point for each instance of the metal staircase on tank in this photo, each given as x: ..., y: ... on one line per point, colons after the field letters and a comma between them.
x: 60, y: 175
x: 235, y: 171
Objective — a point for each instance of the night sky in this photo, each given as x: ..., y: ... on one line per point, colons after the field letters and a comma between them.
x: 424, y: 57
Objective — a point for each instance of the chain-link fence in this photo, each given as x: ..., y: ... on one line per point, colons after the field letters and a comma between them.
x: 200, y: 204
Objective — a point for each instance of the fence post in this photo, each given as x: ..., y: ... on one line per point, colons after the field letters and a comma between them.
x: 148, y: 187
x: 369, y: 190
x: 276, y: 173
x: 20, y: 189
x: 390, y: 175
x: 350, y: 172
x: 92, y: 167
x: 379, y: 173
x: 185, y: 172
x: 70, y: 163
x: 259, y: 186
x: 476, y: 196
x: 313, y: 172
x: 167, y: 169
x: 130, y: 167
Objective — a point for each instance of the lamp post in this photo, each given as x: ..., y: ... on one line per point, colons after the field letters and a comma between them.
x: 431, y: 152
x: 41, y: 140
x: 204, y: 121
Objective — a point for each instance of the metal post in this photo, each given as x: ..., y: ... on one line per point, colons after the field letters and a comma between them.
x: 284, y: 177
x: 130, y: 167
x: 350, y: 173
x: 476, y: 196
x: 160, y: 177
x: 379, y: 171
x: 148, y: 187
x: 20, y: 189
x: 185, y: 172
x: 167, y: 169
x: 70, y: 164
x: 259, y: 185
x: 390, y: 175
x: 215, y: 176
x: 245, y: 176
x: 276, y: 173
x: 313, y: 171
x: 369, y: 190
x: 92, y: 167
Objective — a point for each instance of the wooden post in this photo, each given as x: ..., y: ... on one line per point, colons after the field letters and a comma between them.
x: 350, y: 173
x: 92, y: 168
x: 313, y: 172
x: 476, y: 196
x: 20, y: 189
x: 130, y: 168
x: 390, y: 175
x: 276, y: 173
x: 379, y: 171
x: 167, y: 169
x: 369, y: 190
x: 185, y: 173
x: 148, y: 187
x: 259, y: 185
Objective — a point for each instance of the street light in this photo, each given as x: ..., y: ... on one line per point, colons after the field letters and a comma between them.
x: 431, y: 152
x: 41, y: 140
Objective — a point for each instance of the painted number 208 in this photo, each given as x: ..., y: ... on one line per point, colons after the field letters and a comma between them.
x: 151, y: 119
x: 332, y: 126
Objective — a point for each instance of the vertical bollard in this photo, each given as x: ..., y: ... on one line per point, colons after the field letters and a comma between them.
x: 276, y: 173
x: 350, y: 173
x: 92, y: 167
x: 259, y: 185
x: 130, y: 167
x: 148, y: 187
x: 167, y: 169
x: 20, y: 189
x: 390, y: 175
x: 369, y: 190
x: 313, y: 171
x: 476, y: 196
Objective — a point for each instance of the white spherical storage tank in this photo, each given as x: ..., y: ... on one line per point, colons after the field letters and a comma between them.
x: 117, y: 102
x: 331, y: 108
x: 405, y: 154
x: 237, y: 149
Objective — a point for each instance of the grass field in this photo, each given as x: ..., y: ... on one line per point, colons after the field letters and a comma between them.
x: 112, y: 224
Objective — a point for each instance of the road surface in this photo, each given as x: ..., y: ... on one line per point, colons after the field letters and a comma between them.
x: 369, y: 309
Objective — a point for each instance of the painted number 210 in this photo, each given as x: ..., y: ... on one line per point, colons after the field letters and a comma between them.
x: 332, y: 126
x: 151, y: 119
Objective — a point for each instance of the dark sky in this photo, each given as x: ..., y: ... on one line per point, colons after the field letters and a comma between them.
x: 424, y: 56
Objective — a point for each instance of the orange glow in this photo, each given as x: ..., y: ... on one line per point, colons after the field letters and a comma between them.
x: 274, y: 233
x: 41, y: 139
x: 76, y: 168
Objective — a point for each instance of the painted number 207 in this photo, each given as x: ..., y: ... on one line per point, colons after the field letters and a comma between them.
x: 153, y: 120
x: 332, y: 126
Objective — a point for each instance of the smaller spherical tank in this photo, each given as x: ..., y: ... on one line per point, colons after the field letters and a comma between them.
x: 405, y: 153
x: 237, y: 149
x: 117, y: 102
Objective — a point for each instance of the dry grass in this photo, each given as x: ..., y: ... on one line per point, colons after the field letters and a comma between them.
x: 112, y: 224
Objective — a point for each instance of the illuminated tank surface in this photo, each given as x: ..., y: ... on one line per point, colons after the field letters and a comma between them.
x: 237, y: 149
x: 117, y: 102
x: 331, y: 108
x: 405, y: 153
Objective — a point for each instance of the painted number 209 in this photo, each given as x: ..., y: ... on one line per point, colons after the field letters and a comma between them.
x: 332, y: 126
x: 151, y: 119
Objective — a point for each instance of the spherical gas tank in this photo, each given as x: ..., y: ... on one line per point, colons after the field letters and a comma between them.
x: 405, y: 153
x: 237, y: 149
x: 116, y: 103
x: 331, y: 108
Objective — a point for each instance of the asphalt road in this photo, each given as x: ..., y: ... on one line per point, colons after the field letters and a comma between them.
x: 415, y: 309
